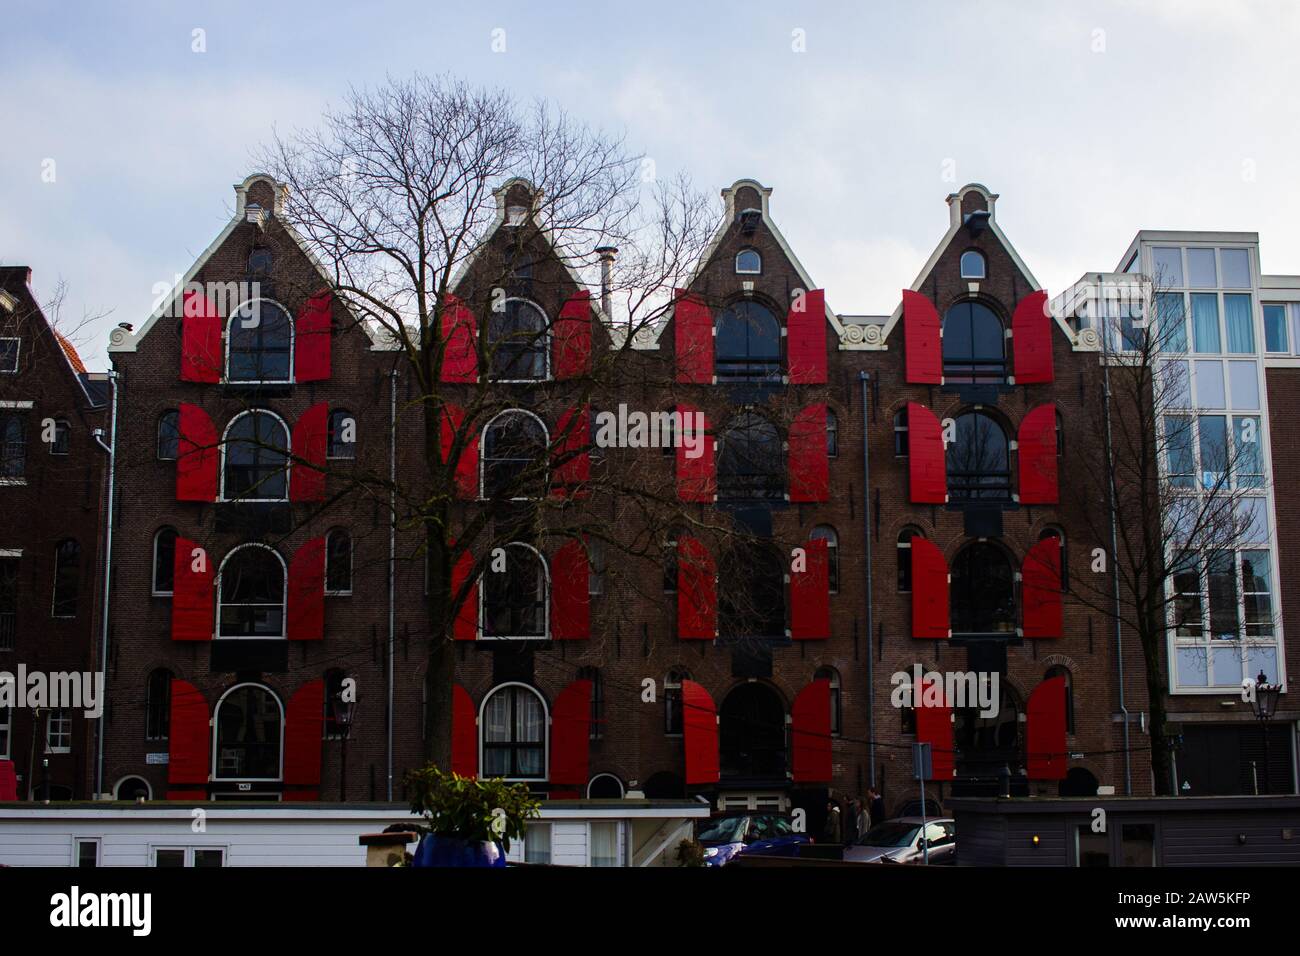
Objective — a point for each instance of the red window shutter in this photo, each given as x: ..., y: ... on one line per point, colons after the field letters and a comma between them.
x: 570, y: 598
x: 696, y: 477
x: 929, y: 590
x: 465, y: 627
x: 198, y: 452
x: 1045, y: 751
x: 806, y: 338
x: 1040, y: 590
x: 202, y: 355
x: 571, y: 338
x: 466, y: 471
x: 189, y: 740
x: 808, y: 463
x: 700, y: 734
x: 192, y: 593
x: 927, y: 468
x: 304, y: 726
x: 312, y: 334
x: 697, y: 591
x: 8, y: 781
x: 571, y: 734
x: 460, y: 355
x: 571, y: 454
x: 693, y: 340
x: 810, y: 602
x: 921, y: 343
x: 810, y: 720
x: 1036, y: 451
x: 1031, y: 339
x: 305, y: 612
x: 934, y: 726
x: 464, y: 733
x: 307, y: 475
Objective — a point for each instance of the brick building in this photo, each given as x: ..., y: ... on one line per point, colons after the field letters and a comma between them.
x: 51, y: 470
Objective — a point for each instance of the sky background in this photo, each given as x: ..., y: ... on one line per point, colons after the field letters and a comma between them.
x: 1090, y: 119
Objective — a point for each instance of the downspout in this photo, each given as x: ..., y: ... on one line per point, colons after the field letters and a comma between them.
x: 111, y: 449
x: 1114, y: 548
x: 863, y: 379
x: 392, y: 561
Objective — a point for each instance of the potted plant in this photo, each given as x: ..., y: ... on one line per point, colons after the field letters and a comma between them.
x: 470, y: 821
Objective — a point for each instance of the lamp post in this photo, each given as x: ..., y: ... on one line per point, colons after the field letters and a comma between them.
x: 344, y: 712
x: 1264, y: 703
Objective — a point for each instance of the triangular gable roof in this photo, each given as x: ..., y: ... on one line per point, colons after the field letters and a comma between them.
x: 120, y: 340
x: 25, y: 298
x: 651, y: 340
x: 955, y: 224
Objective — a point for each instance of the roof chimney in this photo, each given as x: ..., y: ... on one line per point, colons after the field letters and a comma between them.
x: 607, y: 254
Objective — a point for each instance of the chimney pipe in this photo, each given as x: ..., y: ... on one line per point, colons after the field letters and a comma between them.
x: 607, y: 254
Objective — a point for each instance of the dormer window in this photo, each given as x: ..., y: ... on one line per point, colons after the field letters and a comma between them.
x: 972, y: 265
x: 749, y: 220
x: 749, y: 262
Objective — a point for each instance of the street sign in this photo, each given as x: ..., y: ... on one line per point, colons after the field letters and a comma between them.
x: 921, y: 767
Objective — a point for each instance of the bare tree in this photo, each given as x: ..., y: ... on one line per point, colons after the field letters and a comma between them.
x: 1168, y: 492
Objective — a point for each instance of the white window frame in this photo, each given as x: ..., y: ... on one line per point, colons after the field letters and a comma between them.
x: 546, y: 731
x: 117, y: 787
x: 288, y: 456
x: 621, y: 786
x: 546, y: 600
x: 284, y: 616
x: 18, y: 348
x: 547, y: 330
x: 618, y: 842
x: 225, y: 367
x: 153, y: 565
x: 76, y: 850
x: 749, y: 272
x: 188, y: 852
x: 216, y: 756
x: 482, y: 445
x: 64, y: 717
x: 983, y: 261
x: 550, y: 842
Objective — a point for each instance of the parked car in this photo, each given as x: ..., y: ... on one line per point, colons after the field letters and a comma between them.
x: 726, y: 836
x: 899, y: 841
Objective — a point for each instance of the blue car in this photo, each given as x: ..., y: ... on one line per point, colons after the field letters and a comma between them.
x: 726, y: 837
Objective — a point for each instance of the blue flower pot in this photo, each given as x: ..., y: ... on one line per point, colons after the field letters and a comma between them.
x: 437, y: 850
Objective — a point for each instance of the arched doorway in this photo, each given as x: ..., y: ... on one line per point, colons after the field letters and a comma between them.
x: 986, y: 744
x: 1078, y: 782
x: 751, y: 734
x: 664, y: 785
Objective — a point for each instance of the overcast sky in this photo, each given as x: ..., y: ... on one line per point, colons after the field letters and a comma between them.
x: 1091, y: 120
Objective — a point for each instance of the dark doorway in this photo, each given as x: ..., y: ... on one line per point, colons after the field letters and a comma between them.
x: 1078, y: 782
x: 752, y: 735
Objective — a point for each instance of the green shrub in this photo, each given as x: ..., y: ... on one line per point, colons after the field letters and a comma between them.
x: 471, y: 809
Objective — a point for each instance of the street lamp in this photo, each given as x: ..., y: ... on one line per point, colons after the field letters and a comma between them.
x: 343, y: 712
x: 1264, y: 703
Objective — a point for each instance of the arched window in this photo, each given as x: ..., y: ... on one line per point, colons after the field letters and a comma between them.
x: 260, y: 261
x: 905, y: 557
x: 673, y: 700
x: 249, y: 726
x: 750, y: 459
x: 514, y: 594
x: 516, y: 342
x: 338, y: 562
x: 158, y: 704
x: 983, y: 591
x: 164, y: 561
x: 255, y: 458
x: 342, y: 441
x: 13, y: 446
x: 832, y: 434
x: 132, y: 788
x: 250, y: 593
x: 747, y: 347
x: 514, y: 456
x: 62, y: 436
x: 334, y: 678
x: 1060, y: 670
x: 597, y: 700
x: 833, y: 676
x: 605, y: 786
x: 513, y: 722
x: 978, y: 460
x: 1055, y: 532
x: 972, y: 265
x: 824, y: 532
x: 169, y: 435
x: 751, y: 602
x: 900, y: 433
x: 67, y: 578
x: 974, y: 348
x: 749, y: 262
x: 259, y: 342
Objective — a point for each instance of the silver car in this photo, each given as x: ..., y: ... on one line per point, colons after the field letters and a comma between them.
x: 899, y: 841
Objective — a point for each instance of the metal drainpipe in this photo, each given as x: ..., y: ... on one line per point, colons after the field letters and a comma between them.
x: 863, y: 379
x: 1114, y: 544
x: 111, y: 448
x: 392, y: 560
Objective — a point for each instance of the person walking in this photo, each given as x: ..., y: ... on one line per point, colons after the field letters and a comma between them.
x: 832, y: 831
x: 864, y: 820
x: 876, y: 807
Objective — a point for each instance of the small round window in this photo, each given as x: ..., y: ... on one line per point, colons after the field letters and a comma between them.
x: 972, y: 265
